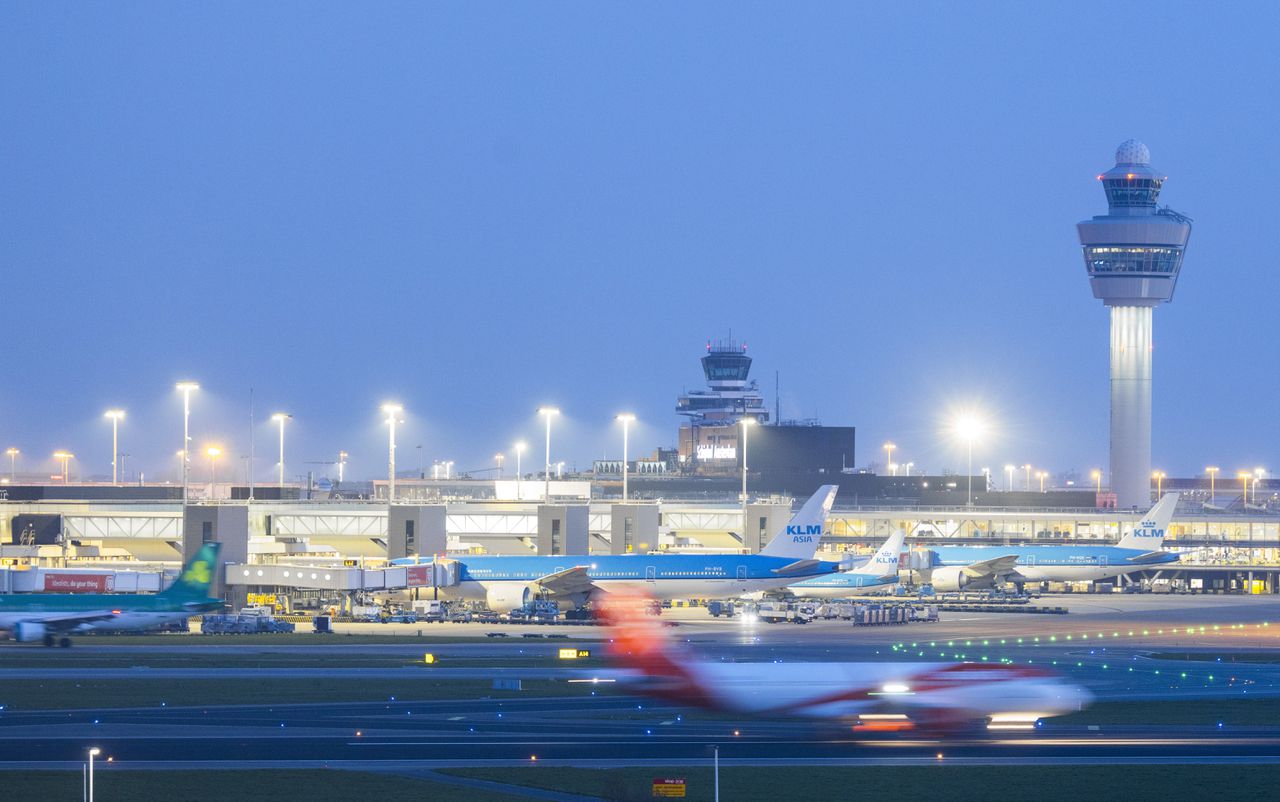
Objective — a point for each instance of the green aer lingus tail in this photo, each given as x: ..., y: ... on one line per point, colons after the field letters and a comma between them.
x: 53, y: 617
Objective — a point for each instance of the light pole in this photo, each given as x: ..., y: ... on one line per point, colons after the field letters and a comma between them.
x: 909, y: 466
x: 391, y: 410
x: 186, y: 388
x: 1096, y: 475
x: 342, y: 463
x: 747, y: 423
x: 1212, y: 470
x: 1243, y: 476
x: 549, y: 412
x: 213, y: 452
x: 1159, y: 477
x: 1258, y: 474
x: 627, y: 419
x: 1041, y: 475
x: 499, y: 458
x: 66, y: 457
x: 969, y: 427
x: 448, y: 469
x: 1009, y: 470
x: 115, y: 415
x: 13, y: 463
x: 519, y: 447
x: 888, y: 456
x: 280, y: 418
x: 94, y: 752
x: 1027, y: 467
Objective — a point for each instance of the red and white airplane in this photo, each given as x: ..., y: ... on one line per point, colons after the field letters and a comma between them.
x: 874, y: 696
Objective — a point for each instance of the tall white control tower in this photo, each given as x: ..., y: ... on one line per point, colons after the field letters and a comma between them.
x: 1133, y: 254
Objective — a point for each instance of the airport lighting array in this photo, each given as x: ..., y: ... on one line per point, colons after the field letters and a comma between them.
x: 499, y: 458
x: 94, y: 752
x: 969, y: 427
x: 65, y: 457
x: 549, y: 413
x: 1027, y: 468
x: 115, y: 416
x: 1009, y: 469
x: 747, y: 423
x: 13, y: 462
x: 626, y: 419
x: 213, y: 452
x: 1212, y: 470
x: 392, y: 411
x: 1096, y: 475
x: 1159, y: 476
x: 280, y: 418
x: 1041, y: 476
x: 186, y: 388
x: 342, y: 463
x: 888, y: 457
x: 519, y: 449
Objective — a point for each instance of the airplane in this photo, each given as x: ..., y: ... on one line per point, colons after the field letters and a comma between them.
x: 874, y: 696
x: 53, y: 617
x: 877, y: 575
x: 509, y: 583
x: 959, y: 567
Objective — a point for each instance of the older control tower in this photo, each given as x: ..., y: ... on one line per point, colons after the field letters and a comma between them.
x: 1133, y: 254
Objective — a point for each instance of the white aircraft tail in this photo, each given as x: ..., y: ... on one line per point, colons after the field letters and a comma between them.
x: 799, y: 538
x: 1148, y: 534
x: 885, y: 561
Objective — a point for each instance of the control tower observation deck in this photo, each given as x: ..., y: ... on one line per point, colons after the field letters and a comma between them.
x: 1133, y: 255
x: 730, y: 395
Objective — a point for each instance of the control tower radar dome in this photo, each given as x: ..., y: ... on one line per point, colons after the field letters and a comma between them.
x: 1131, y: 151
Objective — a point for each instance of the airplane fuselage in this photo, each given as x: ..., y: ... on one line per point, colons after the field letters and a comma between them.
x: 1059, y: 563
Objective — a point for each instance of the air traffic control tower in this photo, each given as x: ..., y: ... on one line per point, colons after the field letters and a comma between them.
x: 1133, y: 254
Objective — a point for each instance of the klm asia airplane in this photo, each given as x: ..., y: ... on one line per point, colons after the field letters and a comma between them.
x: 508, y: 583
x: 53, y: 617
x: 959, y: 567
x: 877, y: 575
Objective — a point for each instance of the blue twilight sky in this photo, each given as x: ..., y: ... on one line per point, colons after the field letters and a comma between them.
x: 477, y: 208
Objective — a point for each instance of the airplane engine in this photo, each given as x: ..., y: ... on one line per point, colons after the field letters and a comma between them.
x: 25, y: 632
x: 949, y: 579
x: 507, y: 597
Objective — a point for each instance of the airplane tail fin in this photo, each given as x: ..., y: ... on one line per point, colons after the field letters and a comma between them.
x: 885, y: 561
x: 798, y: 540
x: 196, y: 576
x: 1148, y: 534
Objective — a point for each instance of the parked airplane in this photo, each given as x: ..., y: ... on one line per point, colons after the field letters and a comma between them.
x: 876, y: 696
x: 959, y: 567
x: 53, y: 617
x: 508, y: 583
x: 877, y: 575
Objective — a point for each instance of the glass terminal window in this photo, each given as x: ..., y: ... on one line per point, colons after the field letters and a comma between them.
x: 1132, y: 191
x: 1131, y: 259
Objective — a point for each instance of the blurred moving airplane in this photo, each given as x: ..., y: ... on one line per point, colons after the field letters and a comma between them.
x: 875, y: 696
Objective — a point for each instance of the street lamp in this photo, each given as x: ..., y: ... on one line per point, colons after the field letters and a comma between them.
x: 13, y: 463
x: 1244, y: 477
x: 1027, y: 468
x: 969, y: 427
x: 342, y: 463
x: 448, y: 469
x: 66, y: 458
x: 549, y: 412
x: 1097, y: 477
x: 909, y: 466
x: 747, y: 423
x: 280, y: 418
x: 115, y: 415
x: 499, y: 458
x: 1009, y: 470
x: 1159, y: 477
x: 519, y: 448
x: 1212, y: 470
x: 1258, y: 474
x: 186, y: 388
x: 627, y: 419
x: 391, y: 411
x: 1041, y: 475
x: 213, y: 452
x: 888, y: 457
x: 94, y: 752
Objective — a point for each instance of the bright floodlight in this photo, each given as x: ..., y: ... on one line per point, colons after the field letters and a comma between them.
x: 392, y: 409
x: 280, y: 416
x: 186, y: 387
x: 520, y: 447
x: 968, y: 427
x: 748, y: 421
x: 114, y: 414
x: 625, y: 417
x: 213, y: 451
x: 548, y: 411
x: 63, y: 455
x: 95, y: 751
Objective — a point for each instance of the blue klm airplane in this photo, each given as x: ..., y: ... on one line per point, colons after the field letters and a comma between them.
x: 877, y: 575
x: 508, y: 583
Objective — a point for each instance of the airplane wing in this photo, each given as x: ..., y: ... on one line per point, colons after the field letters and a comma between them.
x: 996, y: 566
x: 569, y: 581
x: 1147, y: 557
x: 796, y: 567
x: 64, y: 622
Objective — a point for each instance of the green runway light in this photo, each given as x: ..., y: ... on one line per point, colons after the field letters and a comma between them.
x: 1019, y: 640
x: 984, y: 643
x: 1053, y: 637
x: 1002, y: 641
x: 1104, y: 666
x: 1144, y: 632
x: 1184, y: 675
